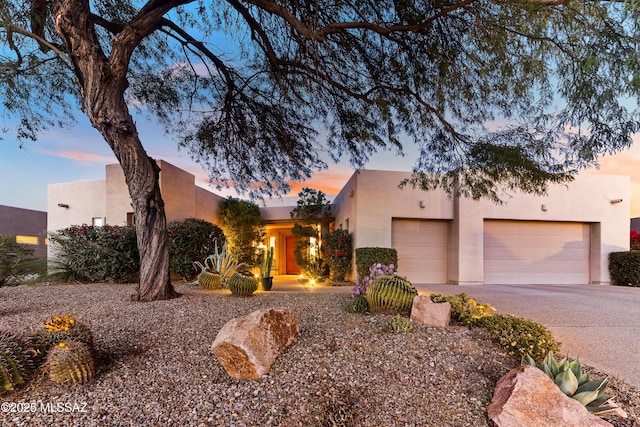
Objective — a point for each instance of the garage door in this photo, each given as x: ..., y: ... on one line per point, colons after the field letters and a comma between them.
x: 536, y: 252
x: 422, y: 249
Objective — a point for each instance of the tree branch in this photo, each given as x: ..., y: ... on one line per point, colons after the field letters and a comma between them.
x: 37, y: 38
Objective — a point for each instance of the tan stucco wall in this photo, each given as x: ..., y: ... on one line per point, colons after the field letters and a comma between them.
x: 110, y: 198
x: 118, y: 199
x: 86, y: 200
x: 587, y: 199
x: 178, y: 192
x: 371, y: 199
x: 208, y: 206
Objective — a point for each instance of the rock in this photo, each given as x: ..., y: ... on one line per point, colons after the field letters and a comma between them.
x: 424, y: 311
x: 526, y: 396
x: 247, y: 346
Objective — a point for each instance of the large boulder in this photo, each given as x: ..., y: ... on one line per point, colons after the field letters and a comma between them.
x: 526, y: 396
x: 425, y: 312
x: 247, y: 346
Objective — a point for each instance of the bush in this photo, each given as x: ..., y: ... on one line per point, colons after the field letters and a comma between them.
x: 243, y: 226
x: 337, y: 248
x: 357, y: 305
x: 464, y: 310
x: 624, y: 268
x: 95, y: 254
x: 634, y: 240
x: 12, y: 256
x: 366, y: 257
x: 520, y: 336
x: 192, y: 240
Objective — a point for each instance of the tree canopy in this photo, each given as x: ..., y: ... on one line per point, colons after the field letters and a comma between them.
x: 514, y: 92
x: 501, y: 94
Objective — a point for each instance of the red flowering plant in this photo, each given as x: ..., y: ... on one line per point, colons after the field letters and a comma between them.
x: 635, y: 240
x: 337, y: 253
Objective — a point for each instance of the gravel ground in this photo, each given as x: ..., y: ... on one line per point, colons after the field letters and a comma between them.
x: 155, y: 366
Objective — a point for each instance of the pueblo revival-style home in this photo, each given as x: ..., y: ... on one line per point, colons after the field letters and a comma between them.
x: 564, y: 237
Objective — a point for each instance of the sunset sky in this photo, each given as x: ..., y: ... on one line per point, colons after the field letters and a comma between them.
x: 80, y: 153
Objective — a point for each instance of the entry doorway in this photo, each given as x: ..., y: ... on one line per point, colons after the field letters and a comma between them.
x: 290, y: 260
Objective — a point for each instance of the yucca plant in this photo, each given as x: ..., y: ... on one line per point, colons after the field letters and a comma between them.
x: 16, y: 365
x: 70, y: 362
x: 575, y: 383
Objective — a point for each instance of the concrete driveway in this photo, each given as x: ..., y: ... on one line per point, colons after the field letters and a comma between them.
x: 599, y: 324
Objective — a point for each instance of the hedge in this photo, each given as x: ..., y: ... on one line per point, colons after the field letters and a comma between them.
x: 624, y: 268
x: 366, y: 257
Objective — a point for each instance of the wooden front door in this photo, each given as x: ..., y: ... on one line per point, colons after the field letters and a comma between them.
x: 290, y: 262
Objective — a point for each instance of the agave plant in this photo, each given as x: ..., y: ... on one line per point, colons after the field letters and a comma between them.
x: 221, y: 262
x: 575, y: 383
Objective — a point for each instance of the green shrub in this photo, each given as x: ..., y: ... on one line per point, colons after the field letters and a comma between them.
x: 398, y: 324
x: 520, y: 336
x: 624, y: 268
x: 95, y: 254
x: 243, y: 226
x: 192, y: 239
x: 357, y: 305
x: 464, y: 310
x: 12, y: 256
x: 366, y: 257
x: 337, y: 249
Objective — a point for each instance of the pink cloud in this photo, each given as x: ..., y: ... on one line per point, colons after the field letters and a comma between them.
x: 82, y: 156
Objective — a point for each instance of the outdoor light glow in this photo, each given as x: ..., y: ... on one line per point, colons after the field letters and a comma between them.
x: 312, y: 282
x: 312, y: 247
x: 272, y: 242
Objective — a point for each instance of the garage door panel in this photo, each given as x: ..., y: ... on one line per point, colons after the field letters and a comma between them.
x: 536, y: 252
x: 422, y: 247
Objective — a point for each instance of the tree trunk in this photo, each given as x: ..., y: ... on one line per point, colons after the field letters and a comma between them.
x: 102, y: 82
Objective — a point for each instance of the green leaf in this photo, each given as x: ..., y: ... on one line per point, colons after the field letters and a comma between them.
x: 594, y: 385
x: 567, y: 382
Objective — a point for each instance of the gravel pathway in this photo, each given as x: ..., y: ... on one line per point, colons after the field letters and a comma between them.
x: 155, y: 366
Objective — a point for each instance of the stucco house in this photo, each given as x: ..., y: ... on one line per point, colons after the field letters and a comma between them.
x: 564, y: 237
x: 28, y: 226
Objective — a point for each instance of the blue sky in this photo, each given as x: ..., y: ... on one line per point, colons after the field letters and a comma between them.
x: 80, y: 153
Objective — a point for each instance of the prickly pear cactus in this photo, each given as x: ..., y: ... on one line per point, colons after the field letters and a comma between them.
x: 390, y: 294
x: 16, y: 364
x: 209, y: 280
x: 61, y: 328
x: 242, y: 284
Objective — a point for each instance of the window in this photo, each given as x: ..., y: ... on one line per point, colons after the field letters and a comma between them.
x: 27, y: 240
x: 346, y: 221
x: 97, y: 222
x: 131, y: 218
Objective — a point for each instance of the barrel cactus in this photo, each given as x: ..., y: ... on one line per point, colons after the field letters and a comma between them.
x: 209, y: 280
x: 61, y: 328
x: 243, y: 284
x: 390, y: 294
x: 575, y: 383
x: 70, y: 362
x: 16, y: 364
